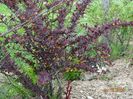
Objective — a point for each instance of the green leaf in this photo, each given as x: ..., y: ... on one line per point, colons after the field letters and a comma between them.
x: 4, y: 10
x: 3, y: 28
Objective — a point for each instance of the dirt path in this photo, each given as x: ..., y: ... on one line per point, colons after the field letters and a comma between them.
x: 117, y: 84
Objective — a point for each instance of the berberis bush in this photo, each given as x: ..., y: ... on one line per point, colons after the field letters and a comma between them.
x: 45, y: 43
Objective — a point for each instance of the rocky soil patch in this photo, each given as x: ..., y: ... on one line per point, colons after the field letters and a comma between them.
x: 116, y: 84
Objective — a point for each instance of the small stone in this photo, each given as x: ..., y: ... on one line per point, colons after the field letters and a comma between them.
x: 81, y: 91
x: 89, y: 97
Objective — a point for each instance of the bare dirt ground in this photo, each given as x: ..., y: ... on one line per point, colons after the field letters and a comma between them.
x: 116, y: 84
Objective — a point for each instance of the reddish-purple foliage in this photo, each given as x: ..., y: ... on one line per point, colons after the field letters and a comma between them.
x: 49, y: 46
x: 44, y: 78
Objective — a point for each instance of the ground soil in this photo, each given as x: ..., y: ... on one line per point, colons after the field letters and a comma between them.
x: 116, y: 84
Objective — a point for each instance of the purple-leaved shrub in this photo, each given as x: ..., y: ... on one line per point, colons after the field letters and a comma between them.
x: 54, y: 45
